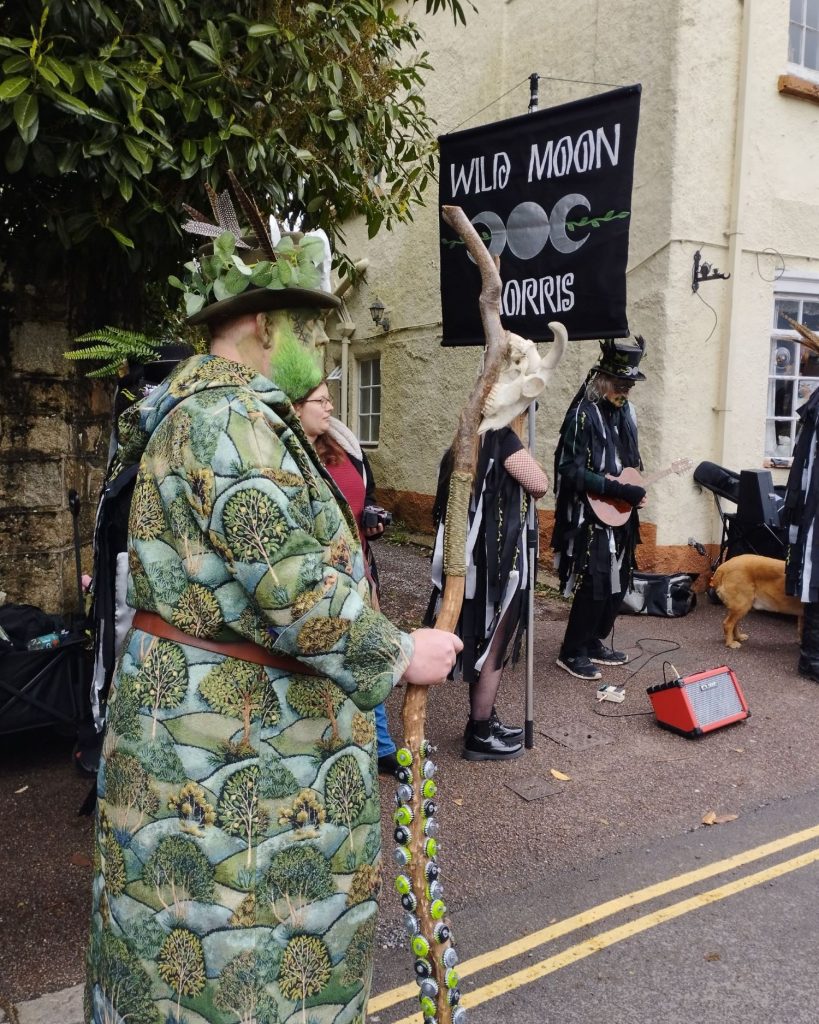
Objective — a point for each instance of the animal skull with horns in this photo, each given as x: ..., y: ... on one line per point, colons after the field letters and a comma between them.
x: 524, y: 375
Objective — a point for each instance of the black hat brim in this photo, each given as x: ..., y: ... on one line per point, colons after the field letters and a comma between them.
x: 611, y: 372
x: 259, y: 300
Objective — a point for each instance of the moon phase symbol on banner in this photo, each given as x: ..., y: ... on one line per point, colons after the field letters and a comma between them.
x: 497, y: 229
x: 529, y: 228
x: 557, y: 222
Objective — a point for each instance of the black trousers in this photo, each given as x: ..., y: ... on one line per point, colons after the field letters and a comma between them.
x: 809, y: 648
x: 591, y: 620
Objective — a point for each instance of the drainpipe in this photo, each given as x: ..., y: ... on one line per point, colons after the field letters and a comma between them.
x: 346, y: 329
x: 731, y: 354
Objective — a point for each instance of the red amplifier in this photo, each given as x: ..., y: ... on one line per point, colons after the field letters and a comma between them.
x: 696, y: 704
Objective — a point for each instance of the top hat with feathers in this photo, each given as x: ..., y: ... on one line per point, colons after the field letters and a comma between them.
x: 621, y: 358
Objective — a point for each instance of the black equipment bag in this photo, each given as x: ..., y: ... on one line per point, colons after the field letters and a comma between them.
x: 24, y: 622
x: 43, y: 687
x: 721, y: 481
x: 654, y: 593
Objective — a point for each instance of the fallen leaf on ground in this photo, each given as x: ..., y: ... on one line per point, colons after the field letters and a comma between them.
x: 460, y: 803
x: 22, y: 789
x: 80, y: 860
x: 712, y: 818
x: 738, y: 750
x: 560, y: 776
x: 711, y: 957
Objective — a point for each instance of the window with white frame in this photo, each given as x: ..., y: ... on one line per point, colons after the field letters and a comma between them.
x: 803, y: 35
x: 369, y: 400
x: 793, y: 372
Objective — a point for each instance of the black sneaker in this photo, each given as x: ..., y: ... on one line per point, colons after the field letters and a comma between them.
x: 602, y: 655
x: 388, y: 765
x: 580, y: 667
x: 488, y: 748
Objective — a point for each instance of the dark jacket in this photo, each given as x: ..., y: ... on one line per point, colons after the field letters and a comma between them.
x: 596, y: 439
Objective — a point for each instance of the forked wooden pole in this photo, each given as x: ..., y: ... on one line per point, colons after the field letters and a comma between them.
x: 416, y: 830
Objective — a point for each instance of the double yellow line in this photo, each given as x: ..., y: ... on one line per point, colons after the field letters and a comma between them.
x: 608, y: 938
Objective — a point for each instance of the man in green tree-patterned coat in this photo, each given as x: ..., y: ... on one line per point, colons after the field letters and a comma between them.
x: 237, y: 844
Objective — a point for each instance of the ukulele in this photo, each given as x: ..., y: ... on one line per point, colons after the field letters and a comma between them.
x: 615, y: 511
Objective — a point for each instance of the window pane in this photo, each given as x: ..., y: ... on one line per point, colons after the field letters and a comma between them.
x: 784, y: 442
x: 789, y: 306
x: 811, y: 58
x: 810, y: 315
x: 364, y: 372
x: 376, y: 371
x: 364, y: 401
x: 794, y: 44
x: 376, y: 400
x: 364, y: 429
x: 796, y: 10
x: 806, y: 389
x: 812, y: 13
x: 783, y: 398
x: 808, y: 363
x: 784, y: 361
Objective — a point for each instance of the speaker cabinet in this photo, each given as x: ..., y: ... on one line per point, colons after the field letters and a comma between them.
x: 757, y: 501
x: 749, y: 539
x: 697, y: 704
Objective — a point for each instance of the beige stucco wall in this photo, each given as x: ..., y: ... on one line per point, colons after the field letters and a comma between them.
x: 704, y: 399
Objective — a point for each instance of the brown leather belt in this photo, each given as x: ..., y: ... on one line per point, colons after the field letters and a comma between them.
x: 244, y: 650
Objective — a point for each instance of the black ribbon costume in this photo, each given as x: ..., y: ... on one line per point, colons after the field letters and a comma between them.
x: 498, y: 561
x: 802, y: 508
x: 596, y: 439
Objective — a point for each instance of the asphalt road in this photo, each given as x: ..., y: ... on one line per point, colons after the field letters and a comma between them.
x: 716, y: 925
x: 522, y: 851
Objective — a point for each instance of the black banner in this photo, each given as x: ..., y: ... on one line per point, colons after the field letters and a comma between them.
x: 550, y: 193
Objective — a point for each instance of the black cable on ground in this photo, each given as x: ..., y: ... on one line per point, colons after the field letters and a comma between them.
x: 671, y: 645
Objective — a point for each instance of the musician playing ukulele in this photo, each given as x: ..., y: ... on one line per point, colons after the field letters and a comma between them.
x: 594, y: 559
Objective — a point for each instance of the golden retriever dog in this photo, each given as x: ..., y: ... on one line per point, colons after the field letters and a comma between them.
x: 752, y: 581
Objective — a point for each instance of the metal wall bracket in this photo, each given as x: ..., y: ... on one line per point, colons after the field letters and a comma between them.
x: 704, y: 272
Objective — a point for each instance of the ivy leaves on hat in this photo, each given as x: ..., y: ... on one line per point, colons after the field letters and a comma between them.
x: 236, y: 274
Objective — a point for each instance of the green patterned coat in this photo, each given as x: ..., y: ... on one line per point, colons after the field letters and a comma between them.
x: 237, y: 845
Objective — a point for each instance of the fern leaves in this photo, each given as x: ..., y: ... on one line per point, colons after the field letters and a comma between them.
x: 113, y: 346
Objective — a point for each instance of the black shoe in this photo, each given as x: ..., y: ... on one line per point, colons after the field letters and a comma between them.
x: 602, y: 655
x: 809, y: 668
x: 506, y: 732
x: 388, y: 765
x: 580, y: 667
x: 490, y: 747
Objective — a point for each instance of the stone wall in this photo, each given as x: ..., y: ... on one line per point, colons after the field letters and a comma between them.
x: 54, y: 427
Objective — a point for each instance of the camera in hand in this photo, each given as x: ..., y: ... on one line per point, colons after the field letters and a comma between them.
x: 375, y: 515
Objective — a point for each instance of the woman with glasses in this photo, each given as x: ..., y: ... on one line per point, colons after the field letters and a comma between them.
x: 598, y: 440
x: 343, y: 458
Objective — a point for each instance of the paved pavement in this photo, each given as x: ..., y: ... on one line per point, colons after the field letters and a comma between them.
x: 55, y: 1008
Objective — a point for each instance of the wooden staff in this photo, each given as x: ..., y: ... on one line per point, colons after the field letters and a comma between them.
x: 416, y: 828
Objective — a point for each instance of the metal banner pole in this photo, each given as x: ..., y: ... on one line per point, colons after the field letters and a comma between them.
x: 531, y: 543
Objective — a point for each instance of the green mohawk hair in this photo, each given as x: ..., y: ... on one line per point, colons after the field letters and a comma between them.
x: 295, y: 369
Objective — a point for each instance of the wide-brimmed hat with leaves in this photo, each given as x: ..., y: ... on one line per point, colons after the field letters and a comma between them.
x: 250, y: 272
